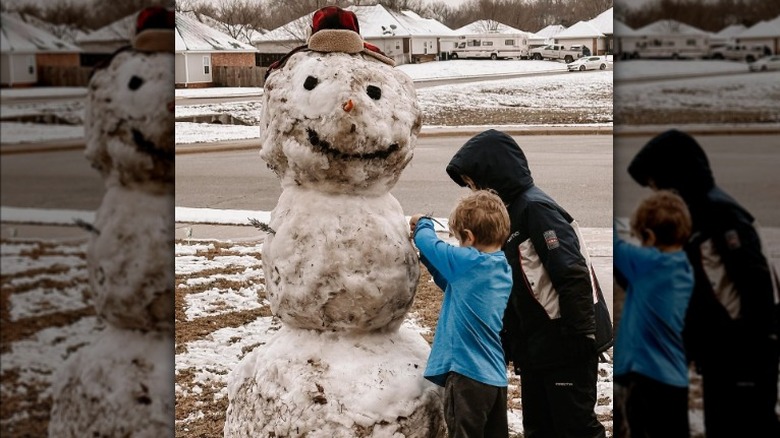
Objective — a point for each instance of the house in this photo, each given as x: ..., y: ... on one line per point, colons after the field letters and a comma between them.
x: 204, y: 53
x: 671, y: 39
x: 727, y: 35
x: 487, y: 39
x: 626, y: 40
x: 604, y: 23
x: 25, y: 50
x: 763, y: 33
x: 546, y: 35
x: 404, y: 36
x: 585, y: 34
x: 99, y: 45
x: 487, y: 26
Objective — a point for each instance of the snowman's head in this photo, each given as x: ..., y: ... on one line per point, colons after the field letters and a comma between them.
x: 339, y: 121
x: 129, y: 118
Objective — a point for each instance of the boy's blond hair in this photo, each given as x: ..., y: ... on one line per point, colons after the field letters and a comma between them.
x: 485, y: 214
x: 666, y: 214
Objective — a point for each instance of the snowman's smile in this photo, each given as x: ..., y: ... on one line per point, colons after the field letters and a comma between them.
x: 326, y: 148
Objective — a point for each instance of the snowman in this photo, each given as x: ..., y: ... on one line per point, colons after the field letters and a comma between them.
x: 339, y: 125
x: 122, y: 384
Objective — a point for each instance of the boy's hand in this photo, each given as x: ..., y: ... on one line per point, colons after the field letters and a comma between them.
x: 413, y: 221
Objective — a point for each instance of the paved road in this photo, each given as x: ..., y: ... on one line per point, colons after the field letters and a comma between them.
x: 576, y: 170
x: 61, y: 179
x: 745, y: 166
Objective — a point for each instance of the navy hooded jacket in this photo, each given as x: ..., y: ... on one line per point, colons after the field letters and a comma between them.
x: 733, y: 302
x: 549, y: 320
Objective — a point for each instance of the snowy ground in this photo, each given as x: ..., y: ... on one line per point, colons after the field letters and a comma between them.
x: 221, y: 315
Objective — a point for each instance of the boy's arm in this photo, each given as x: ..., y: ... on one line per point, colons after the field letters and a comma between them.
x: 623, y: 256
x: 437, y: 255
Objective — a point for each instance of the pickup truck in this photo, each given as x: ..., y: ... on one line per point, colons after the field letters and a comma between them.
x: 737, y: 52
x: 556, y: 51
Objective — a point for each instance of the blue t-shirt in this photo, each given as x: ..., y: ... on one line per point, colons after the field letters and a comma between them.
x: 476, y: 288
x: 649, y: 339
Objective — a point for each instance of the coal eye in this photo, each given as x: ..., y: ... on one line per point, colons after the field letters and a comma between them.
x: 310, y: 83
x: 374, y: 92
x: 135, y: 83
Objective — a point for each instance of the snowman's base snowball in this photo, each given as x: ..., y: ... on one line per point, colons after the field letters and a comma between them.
x: 330, y: 384
x: 120, y: 386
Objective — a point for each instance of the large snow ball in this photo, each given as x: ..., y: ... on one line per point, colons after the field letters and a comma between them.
x: 339, y: 262
x: 129, y: 118
x: 120, y: 386
x: 304, y: 383
x: 131, y: 259
x: 339, y: 122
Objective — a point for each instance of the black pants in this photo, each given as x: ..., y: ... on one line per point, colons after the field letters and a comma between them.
x: 740, y: 394
x: 654, y: 409
x: 473, y: 409
x: 560, y: 402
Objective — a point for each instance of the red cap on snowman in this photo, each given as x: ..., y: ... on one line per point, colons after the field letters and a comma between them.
x: 154, y: 28
x: 335, y: 30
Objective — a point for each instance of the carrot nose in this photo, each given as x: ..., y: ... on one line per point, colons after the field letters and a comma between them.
x: 348, y: 105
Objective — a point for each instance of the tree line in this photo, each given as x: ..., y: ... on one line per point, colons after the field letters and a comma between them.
x: 241, y: 17
x: 711, y: 16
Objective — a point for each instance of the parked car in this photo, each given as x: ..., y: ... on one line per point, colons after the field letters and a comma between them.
x: 588, y: 63
x: 737, y: 52
x: 766, y: 63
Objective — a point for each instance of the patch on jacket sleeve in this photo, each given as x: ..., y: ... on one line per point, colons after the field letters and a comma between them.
x: 732, y: 239
x: 551, y: 239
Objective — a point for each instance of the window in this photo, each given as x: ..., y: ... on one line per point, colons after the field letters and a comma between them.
x: 509, y: 42
x: 206, y: 65
x: 31, y: 65
x: 690, y: 42
x: 487, y: 43
x: 473, y: 43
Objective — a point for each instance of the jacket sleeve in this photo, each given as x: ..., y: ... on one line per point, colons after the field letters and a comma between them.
x: 746, y: 265
x: 625, y: 257
x: 557, y: 244
x: 441, y: 258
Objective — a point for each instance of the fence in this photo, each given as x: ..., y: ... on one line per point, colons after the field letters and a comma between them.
x: 229, y: 76
x: 63, y: 76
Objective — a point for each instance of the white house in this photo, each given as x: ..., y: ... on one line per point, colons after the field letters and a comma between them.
x: 604, y: 23
x: 110, y: 37
x: 626, y: 40
x: 764, y: 33
x: 403, y: 36
x: 727, y: 34
x: 200, y: 48
x: 24, y: 48
x: 671, y: 39
x: 585, y: 34
x: 546, y: 35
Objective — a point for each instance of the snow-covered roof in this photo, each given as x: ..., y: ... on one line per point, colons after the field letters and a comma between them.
x: 194, y: 36
x: 121, y: 31
x: 375, y: 22
x: 763, y: 29
x: 18, y: 36
x: 550, y: 31
x: 581, y: 29
x: 730, y: 31
x: 66, y: 32
x: 484, y: 26
x: 623, y: 30
x: 670, y: 27
x: 243, y: 34
x: 603, y: 22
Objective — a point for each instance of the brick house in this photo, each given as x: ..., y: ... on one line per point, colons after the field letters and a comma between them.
x: 25, y: 50
x: 206, y: 57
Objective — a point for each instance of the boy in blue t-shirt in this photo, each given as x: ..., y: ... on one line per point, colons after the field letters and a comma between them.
x: 650, y: 361
x: 467, y: 357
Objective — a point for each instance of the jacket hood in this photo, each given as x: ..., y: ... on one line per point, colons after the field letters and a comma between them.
x: 493, y: 160
x: 673, y: 160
